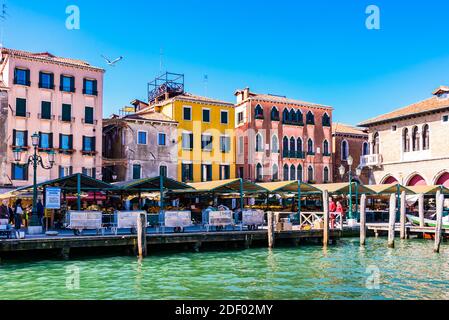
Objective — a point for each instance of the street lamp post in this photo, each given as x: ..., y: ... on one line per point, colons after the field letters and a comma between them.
x: 358, y: 172
x: 35, y: 160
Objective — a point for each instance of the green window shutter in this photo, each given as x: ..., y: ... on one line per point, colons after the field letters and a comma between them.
x: 52, y: 81
x: 71, y: 142
x: 46, y: 110
x: 94, y: 144
x: 28, y: 77
x: 72, y: 84
x: 13, y: 171
x: 66, y: 112
x: 61, y: 83
x: 95, y: 88
x: 50, y: 142
x: 26, y: 138
x: 21, y: 108
x: 84, y: 86
x: 89, y: 115
x: 14, y: 143
x: 84, y: 143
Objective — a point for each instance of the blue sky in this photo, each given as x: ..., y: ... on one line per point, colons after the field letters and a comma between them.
x: 317, y: 51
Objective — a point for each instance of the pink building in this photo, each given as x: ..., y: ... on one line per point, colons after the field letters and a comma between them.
x: 61, y: 99
x: 282, y: 139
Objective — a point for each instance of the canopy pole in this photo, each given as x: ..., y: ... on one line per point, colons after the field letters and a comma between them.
x: 161, y: 185
x: 299, y: 201
x: 78, y: 190
x: 241, y: 195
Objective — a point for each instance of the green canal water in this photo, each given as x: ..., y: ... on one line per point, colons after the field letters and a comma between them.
x: 344, y: 271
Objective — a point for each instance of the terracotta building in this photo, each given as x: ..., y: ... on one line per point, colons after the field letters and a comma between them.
x: 411, y: 145
x: 348, y: 141
x: 279, y: 138
x: 60, y: 99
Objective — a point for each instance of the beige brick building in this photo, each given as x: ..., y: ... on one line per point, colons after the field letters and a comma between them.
x: 411, y: 145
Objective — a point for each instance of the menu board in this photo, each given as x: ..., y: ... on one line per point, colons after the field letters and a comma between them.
x: 127, y: 219
x: 220, y: 218
x: 175, y: 219
x: 84, y: 219
x: 253, y: 218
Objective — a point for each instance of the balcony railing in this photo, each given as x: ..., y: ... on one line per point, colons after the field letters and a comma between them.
x: 294, y: 154
x: 94, y: 122
x: 63, y: 119
x: 21, y: 114
x: 45, y: 117
x: 371, y: 160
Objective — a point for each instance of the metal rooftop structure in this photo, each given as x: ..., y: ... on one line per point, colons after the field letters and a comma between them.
x: 166, y: 86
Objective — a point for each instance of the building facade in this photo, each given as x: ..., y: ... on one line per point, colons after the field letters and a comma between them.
x: 282, y: 139
x: 140, y: 146
x: 411, y: 145
x: 349, y: 141
x: 61, y: 99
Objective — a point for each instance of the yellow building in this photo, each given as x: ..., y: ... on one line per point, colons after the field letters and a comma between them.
x: 206, y: 141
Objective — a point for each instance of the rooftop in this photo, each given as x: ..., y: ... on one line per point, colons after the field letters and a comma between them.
x: 436, y: 103
x: 347, y: 129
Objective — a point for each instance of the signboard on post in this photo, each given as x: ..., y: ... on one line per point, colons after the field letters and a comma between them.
x: 220, y: 218
x: 53, y: 198
x: 253, y: 218
x: 176, y: 219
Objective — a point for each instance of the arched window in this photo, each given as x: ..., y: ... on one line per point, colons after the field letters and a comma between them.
x: 274, y: 144
x: 415, y: 139
x: 286, y: 116
x: 285, y: 147
x: 326, y: 148
x: 365, y: 149
x: 310, y: 118
x: 299, y: 147
x: 293, y: 116
x: 299, y: 117
x: 274, y: 114
x: 344, y: 150
x: 326, y: 175
x: 275, y: 172
x: 285, y: 173
x: 259, y: 173
x: 299, y: 173
x: 310, y: 149
x: 292, y: 147
x: 376, y: 143
x: 259, y: 143
x: 425, y: 137
x: 310, y: 177
x: 326, y: 120
x: 258, y: 112
x: 292, y: 173
x: 406, y: 140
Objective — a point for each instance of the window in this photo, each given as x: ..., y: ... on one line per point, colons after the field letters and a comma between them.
x: 225, y: 172
x: 187, y: 172
x: 445, y: 118
x: 46, y: 80
x: 285, y: 147
x: 65, y: 171
x: 286, y: 116
x: 241, y: 145
x: 406, y: 140
x: 326, y: 120
x: 88, y: 144
x: 90, y: 87
x: 19, y: 172
x: 89, y: 115
x: 67, y: 84
x: 299, y: 173
x: 142, y: 137
x: 425, y: 137
x: 415, y: 139
x: 310, y: 149
x: 299, y: 147
x: 21, y: 107
x: 258, y: 112
x: 310, y: 174
x: 162, y: 139
x: 225, y: 144
x: 45, y: 140
x: 292, y: 173
x: 206, y: 142
x: 46, y: 110
x: 206, y: 115
x: 206, y: 172
x: 376, y: 143
x: 293, y: 117
x: 310, y: 118
x: 326, y: 175
x: 274, y: 114
x: 66, y: 113
x: 22, y: 77
x: 224, y: 117
x: 344, y: 150
x: 90, y: 172
x: 275, y: 170
x: 365, y: 149
x: 20, y: 138
x: 299, y: 117
x: 259, y: 173
x: 187, y: 113
x: 187, y: 141
x: 292, y: 147
x: 394, y: 128
x: 65, y: 142
x: 285, y: 172
x: 259, y: 143
x: 163, y: 171
x: 241, y: 172
x: 240, y: 117
x: 274, y: 144
x: 137, y: 171
x: 326, y: 148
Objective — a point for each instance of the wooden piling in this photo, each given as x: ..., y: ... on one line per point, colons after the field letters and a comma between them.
x: 363, y: 219
x: 270, y: 229
x: 439, y: 226
x: 326, y: 218
x: 421, y: 210
x: 403, y: 218
x: 142, y: 235
x: 392, y: 221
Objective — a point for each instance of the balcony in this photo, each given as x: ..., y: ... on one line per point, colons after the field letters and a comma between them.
x: 300, y: 155
x: 89, y: 121
x: 21, y: 114
x: 293, y: 123
x: 45, y: 117
x: 64, y: 119
x: 372, y: 160
x: 259, y: 117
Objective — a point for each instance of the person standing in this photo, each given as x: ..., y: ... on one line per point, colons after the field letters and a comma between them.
x: 18, y: 213
x: 4, y: 211
x: 332, y: 209
x: 40, y: 211
x: 340, y: 211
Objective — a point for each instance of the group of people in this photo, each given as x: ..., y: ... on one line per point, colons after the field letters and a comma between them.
x: 17, y: 213
x: 335, y: 210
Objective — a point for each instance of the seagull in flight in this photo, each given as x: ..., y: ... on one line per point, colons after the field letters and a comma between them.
x: 113, y: 62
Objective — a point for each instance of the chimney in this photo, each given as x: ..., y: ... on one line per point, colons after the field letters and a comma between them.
x: 242, y: 95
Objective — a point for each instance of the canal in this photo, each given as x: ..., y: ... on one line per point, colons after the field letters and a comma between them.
x: 344, y: 271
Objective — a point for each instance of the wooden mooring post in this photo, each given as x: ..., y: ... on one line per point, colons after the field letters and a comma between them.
x: 439, y: 226
x: 392, y: 221
x: 363, y: 220
x: 403, y: 218
x: 421, y: 210
x: 326, y: 218
x: 270, y: 218
x: 142, y: 235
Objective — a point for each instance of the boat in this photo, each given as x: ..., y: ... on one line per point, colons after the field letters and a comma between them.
x: 428, y: 222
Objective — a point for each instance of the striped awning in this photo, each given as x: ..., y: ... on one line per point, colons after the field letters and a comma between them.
x: 429, y: 189
x: 289, y: 187
x: 390, y: 188
x: 343, y: 188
